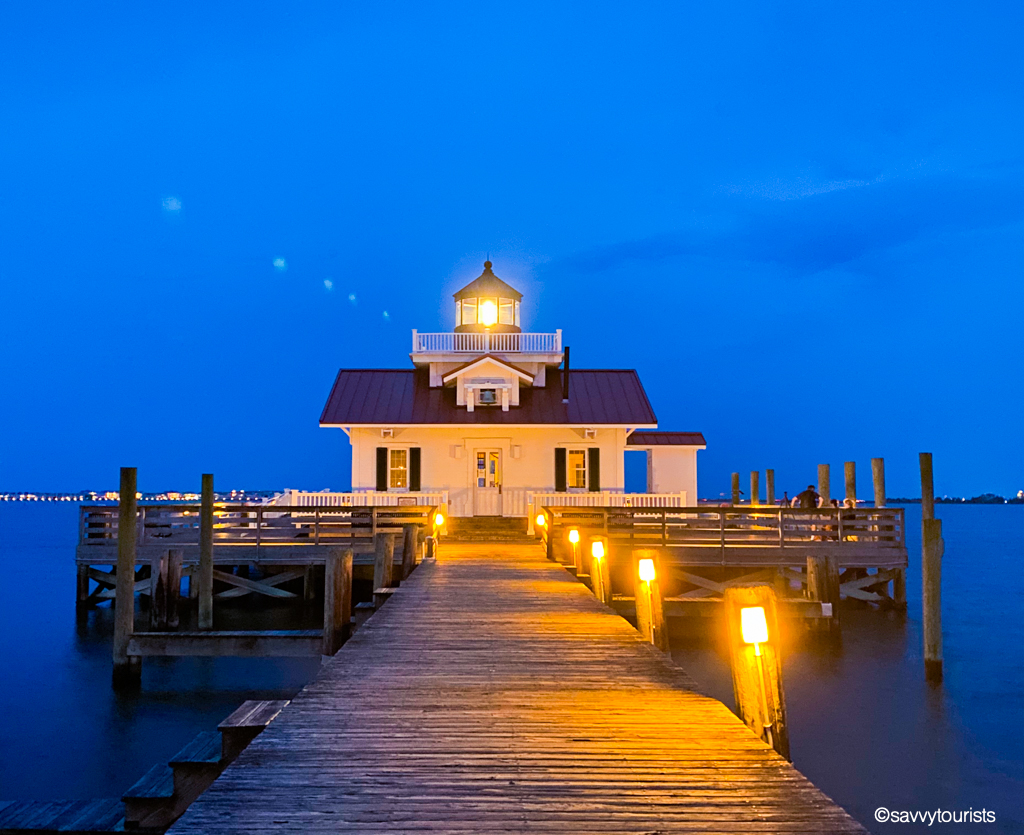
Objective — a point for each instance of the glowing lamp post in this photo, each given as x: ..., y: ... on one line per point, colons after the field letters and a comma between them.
x: 439, y: 520
x: 754, y: 627
x: 577, y: 558
x: 646, y: 571
x: 755, y: 661
x: 650, y: 613
x: 600, y: 571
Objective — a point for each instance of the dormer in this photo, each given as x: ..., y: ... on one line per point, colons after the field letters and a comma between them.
x: 487, y: 382
x: 487, y: 305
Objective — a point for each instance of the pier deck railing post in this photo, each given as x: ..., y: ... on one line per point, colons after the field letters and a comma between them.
x: 757, y: 668
x: 735, y: 488
x: 850, y: 477
x: 755, y: 487
x: 932, y: 548
x: 127, y: 669
x: 769, y: 486
x: 337, y: 598
x: 206, y: 553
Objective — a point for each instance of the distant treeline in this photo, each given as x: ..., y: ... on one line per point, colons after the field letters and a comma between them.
x: 984, y: 498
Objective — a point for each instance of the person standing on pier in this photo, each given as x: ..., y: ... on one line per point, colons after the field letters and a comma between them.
x: 809, y: 498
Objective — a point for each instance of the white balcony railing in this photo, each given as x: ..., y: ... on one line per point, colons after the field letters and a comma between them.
x: 483, y: 343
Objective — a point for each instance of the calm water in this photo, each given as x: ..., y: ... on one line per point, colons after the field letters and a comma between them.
x: 864, y: 725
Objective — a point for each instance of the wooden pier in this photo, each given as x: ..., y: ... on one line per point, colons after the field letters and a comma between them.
x: 494, y: 693
x: 707, y: 549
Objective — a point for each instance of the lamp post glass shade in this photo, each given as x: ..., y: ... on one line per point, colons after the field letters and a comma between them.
x: 646, y: 570
x: 574, y: 536
x: 541, y: 521
x: 439, y: 519
x: 597, y: 549
x: 753, y: 625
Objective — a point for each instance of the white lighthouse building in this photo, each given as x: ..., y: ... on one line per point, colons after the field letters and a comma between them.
x: 492, y: 417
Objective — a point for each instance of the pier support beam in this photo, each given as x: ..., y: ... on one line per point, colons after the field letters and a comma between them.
x: 650, y: 610
x: 755, y: 487
x: 127, y: 668
x: 383, y: 564
x: 757, y: 668
x: 410, y: 544
x: 206, y: 554
x: 850, y: 476
x: 823, y: 587
x: 932, y: 548
x: 337, y: 598
x: 82, y: 587
x: 769, y: 486
x: 735, y: 488
x: 824, y: 489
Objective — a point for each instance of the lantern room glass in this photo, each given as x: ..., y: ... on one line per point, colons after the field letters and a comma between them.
x: 469, y: 311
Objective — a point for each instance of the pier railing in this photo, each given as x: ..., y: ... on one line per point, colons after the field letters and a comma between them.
x: 743, y: 535
x: 366, y: 498
x: 246, y: 526
x: 482, y: 343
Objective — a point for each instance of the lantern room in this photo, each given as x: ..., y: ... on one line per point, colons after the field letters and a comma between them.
x: 487, y: 305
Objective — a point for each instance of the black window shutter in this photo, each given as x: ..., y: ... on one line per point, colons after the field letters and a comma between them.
x: 594, y: 465
x: 382, y: 469
x: 559, y: 469
x: 414, y: 469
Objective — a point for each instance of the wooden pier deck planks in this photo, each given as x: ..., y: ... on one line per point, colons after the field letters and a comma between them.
x: 493, y: 693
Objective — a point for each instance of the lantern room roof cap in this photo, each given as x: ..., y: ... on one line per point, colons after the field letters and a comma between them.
x: 488, y: 284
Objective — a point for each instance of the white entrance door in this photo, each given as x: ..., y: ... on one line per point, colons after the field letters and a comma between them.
x: 487, y: 488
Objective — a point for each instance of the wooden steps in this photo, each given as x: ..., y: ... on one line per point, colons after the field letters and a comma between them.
x: 243, y: 726
x: 160, y: 796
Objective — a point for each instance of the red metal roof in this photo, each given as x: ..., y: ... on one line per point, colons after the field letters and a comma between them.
x: 399, y: 397
x: 666, y: 439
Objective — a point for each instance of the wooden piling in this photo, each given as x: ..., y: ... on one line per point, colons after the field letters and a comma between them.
x: 755, y: 487
x: 158, y: 591
x: 823, y: 587
x: 174, y: 568
x: 735, y: 488
x: 850, y: 477
x: 309, y: 584
x: 408, y: 549
x: 206, y: 554
x: 824, y: 489
x: 127, y: 669
x: 757, y: 678
x: 337, y: 598
x: 82, y: 587
x: 383, y: 560
x: 878, y: 480
x: 932, y: 548
x: 769, y: 486
x: 650, y: 611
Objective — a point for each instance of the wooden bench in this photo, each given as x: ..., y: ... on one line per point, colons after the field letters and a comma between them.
x: 245, y: 724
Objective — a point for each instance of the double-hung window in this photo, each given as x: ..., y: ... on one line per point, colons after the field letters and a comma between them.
x: 398, y: 469
x: 576, y: 469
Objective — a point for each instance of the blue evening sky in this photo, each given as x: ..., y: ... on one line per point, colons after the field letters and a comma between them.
x: 801, y: 223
